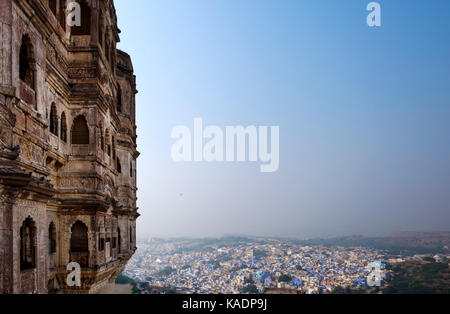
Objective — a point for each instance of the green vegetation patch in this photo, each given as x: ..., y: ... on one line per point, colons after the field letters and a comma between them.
x: 420, y: 278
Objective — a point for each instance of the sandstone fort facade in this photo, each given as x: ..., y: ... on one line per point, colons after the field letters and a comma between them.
x: 67, y: 147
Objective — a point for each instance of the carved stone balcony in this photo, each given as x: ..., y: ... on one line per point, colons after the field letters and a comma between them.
x: 80, y: 258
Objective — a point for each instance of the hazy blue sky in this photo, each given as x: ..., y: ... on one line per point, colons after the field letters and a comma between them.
x: 364, y: 114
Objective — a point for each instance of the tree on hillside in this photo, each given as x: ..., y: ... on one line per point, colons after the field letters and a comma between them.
x: 251, y: 289
x: 285, y: 278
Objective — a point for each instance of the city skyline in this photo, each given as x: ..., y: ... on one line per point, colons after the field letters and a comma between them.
x: 235, y: 265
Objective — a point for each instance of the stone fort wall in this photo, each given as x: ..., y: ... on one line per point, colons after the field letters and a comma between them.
x: 68, y: 147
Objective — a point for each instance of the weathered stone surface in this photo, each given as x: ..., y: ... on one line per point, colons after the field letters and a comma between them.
x: 67, y: 148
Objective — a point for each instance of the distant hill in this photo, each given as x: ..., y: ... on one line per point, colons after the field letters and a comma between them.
x: 398, y: 243
x: 404, y: 243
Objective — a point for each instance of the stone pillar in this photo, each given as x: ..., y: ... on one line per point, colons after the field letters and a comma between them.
x: 6, y: 43
x: 6, y: 241
x: 94, y: 22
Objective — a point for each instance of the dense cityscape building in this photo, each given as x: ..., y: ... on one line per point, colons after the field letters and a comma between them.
x: 67, y: 147
x: 266, y: 266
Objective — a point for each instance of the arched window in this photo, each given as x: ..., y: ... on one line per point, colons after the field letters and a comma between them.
x: 26, y: 73
x: 131, y: 168
x: 131, y: 235
x: 53, y: 120
x: 118, y: 166
x: 114, y: 240
x: 52, y: 239
x: 85, y: 27
x: 108, y: 142
x: 62, y: 14
x: 101, y: 239
x: 119, y: 99
x: 52, y: 6
x: 80, y: 131
x: 79, y: 238
x: 28, y: 245
x: 63, y: 127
